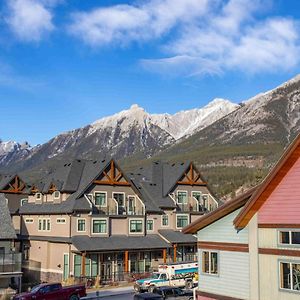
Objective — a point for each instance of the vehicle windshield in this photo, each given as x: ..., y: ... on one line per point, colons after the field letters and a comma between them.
x: 35, y: 289
x: 155, y: 275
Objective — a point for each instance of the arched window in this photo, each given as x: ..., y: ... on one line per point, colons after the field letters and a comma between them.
x: 23, y: 201
x: 56, y: 195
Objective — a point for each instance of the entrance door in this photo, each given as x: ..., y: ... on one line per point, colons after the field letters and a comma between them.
x: 120, y: 198
x: 197, y: 196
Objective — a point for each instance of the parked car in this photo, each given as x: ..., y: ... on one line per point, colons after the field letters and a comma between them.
x: 170, y: 292
x: 53, y: 291
x: 147, y: 296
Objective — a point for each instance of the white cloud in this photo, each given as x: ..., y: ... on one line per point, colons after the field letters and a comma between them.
x: 123, y: 24
x: 30, y: 20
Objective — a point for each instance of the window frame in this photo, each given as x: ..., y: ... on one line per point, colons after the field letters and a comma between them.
x: 288, y: 245
x: 77, y: 222
x: 60, y: 223
x: 22, y: 200
x: 54, y: 197
x: 209, y: 261
x: 290, y: 262
x: 187, y: 197
x: 129, y: 226
x: 47, y: 222
x: 150, y: 230
x: 94, y: 198
x: 185, y: 215
x: 162, y: 218
x: 38, y: 198
x: 29, y: 220
x: 92, y: 226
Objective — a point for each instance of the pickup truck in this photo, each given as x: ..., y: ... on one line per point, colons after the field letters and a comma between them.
x: 53, y: 291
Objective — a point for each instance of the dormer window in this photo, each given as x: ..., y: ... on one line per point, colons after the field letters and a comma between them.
x: 38, y: 196
x: 56, y: 195
x: 23, y: 201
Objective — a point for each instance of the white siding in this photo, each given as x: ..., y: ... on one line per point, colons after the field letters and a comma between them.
x: 233, y: 279
x: 224, y: 231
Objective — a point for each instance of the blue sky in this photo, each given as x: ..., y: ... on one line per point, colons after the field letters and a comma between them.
x: 64, y: 64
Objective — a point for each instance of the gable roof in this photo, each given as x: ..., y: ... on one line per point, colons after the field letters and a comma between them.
x: 285, y: 163
x: 7, y: 230
x: 219, y: 213
x: 156, y: 181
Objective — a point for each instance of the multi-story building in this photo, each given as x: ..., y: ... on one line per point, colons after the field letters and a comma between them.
x: 250, y: 247
x: 10, y: 260
x: 89, y: 218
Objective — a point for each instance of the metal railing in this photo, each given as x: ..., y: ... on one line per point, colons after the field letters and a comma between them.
x: 10, y: 262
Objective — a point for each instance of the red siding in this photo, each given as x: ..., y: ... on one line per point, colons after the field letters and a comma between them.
x: 283, y: 205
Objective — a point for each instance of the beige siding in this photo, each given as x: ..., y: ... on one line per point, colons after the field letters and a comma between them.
x: 269, y: 279
x: 56, y: 229
x: 119, y: 226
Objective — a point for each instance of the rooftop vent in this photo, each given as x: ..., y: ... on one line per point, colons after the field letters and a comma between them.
x: 94, y: 162
x: 103, y: 160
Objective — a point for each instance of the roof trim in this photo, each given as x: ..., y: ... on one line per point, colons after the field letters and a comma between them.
x: 219, y: 213
x: 255, y: 203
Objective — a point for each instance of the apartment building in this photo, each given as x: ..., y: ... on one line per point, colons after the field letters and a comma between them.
x: 89, y: 218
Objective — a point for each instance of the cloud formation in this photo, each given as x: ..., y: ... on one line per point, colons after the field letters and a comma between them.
x: 196, y: 37
x: 30, y: 20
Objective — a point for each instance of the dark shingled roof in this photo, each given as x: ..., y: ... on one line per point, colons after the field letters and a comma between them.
x: 176, y: 237
x: 156, y: 182
x: 7, y: 230
x: 119, y: 242
x: 68, y: 206
x: 5, y: 179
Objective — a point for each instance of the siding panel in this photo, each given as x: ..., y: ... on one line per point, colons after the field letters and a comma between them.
x: 223, y: 231
x: 233, y: 279
x: 283, y: 205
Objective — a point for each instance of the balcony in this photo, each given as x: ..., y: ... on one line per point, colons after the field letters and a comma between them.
x: 190, y: 204
x: 115, y: 208
x: 10, y: 263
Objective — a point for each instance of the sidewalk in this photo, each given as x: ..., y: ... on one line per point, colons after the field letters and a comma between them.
x: 110, y: 292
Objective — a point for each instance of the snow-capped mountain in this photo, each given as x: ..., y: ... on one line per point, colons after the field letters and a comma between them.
x: 129, y: 132
x: 11, y: 150
x: 185, y: 123
x: 272, y: 117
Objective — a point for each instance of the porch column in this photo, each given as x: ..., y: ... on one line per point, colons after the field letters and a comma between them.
x: 165, y: 255
x: 83, y: 264
x: 126, y: 262
x: 175, y: 252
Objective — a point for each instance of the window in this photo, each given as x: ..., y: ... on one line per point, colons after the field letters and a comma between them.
x: 149, y: 225
x: 44, y: 225
x: 24, y: 201
x: 60, y: 221
x: 289, y: 276
x: 100, y: 199
x: 99, y: 226
x: 289, y: 237
x: 56, y: 195
x: 210, y: 262
x: 77, y: 265
x: 38, y: 196
x: 182, y: 197
x: 165, y: 220
x: 196, y: 195
x: 80, y: 225
x: 29, y: 220
x: 136, y: 226
x: 182, y: 221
